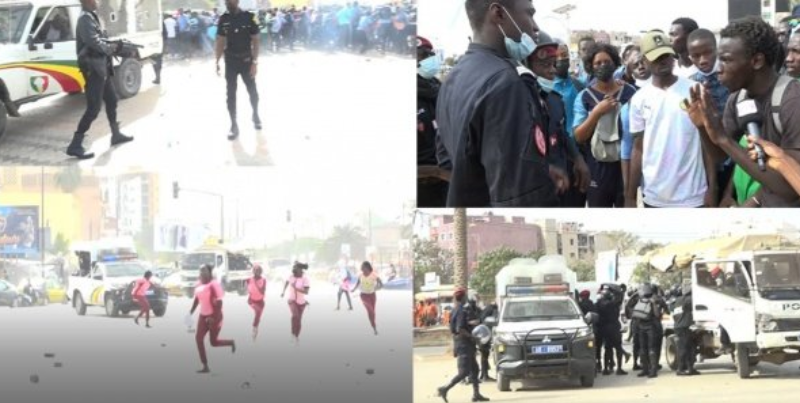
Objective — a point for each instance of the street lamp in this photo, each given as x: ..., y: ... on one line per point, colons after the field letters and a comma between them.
x: 176, y: 190
x: 565, y: 10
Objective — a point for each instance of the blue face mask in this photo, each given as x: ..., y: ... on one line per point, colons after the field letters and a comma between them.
x: 429, y: 67
x: 546, y: 84
x: 518, y: 51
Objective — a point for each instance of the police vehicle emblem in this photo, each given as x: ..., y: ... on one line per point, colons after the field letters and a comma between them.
x: 546, y: 339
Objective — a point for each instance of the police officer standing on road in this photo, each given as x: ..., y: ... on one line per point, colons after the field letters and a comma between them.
x: 633, y: 299
x: 237, y: 38
x: 489, y: 310
x: 646, y: 311
x: 464, y: 349
x: 684, y: 319
x: 94, y: 61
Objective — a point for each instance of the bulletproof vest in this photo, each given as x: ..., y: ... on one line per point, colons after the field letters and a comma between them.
x: 644, y: 309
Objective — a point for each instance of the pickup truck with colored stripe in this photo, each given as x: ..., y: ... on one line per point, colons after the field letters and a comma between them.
x: 109, y: 285
x: 38, y: 50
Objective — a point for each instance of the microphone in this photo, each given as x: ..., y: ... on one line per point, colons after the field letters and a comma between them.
x: 754, y: 129
x: 749, y: 117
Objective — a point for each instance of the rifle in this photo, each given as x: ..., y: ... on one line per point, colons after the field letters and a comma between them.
x: 124, y: 47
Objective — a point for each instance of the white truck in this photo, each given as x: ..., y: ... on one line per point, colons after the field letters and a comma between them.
x: 746, y: 302
x: 230, y: 268
x: 540, y: 332
x: 37, y: 46
x: 108, y: 283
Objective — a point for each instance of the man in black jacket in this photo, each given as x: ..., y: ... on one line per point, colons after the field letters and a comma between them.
x: 684, y: 319
x: 431, y: 187
x: 94, y: 61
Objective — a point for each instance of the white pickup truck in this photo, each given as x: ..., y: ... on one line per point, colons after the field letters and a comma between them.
x: 109, y: 284
x: 38, y: 51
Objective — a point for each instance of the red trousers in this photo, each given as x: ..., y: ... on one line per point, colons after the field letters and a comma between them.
x: 143, y: 305
x: 369, y: 303
x: 257, y: 306
x: 297, y: 317
x: 202, y: 329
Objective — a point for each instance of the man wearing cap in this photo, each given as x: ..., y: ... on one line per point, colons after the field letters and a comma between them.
x: 563, y: 152
x: 464, y: 348
x: 431, y: 183
x: 667, y: 154
x: 489, y: 122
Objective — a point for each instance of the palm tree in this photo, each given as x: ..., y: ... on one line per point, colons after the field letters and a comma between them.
x: 461, y: 275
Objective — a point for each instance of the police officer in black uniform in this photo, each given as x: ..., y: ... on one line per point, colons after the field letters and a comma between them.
x: 684, y: 319
x: 462, y: 323
x: 95, y: 62
x: 648, y: 311
x: 489, y: 123
x: 633, y: 299
x: 238, y: 38
x: 431, y: 188
x: 488, y: 311
x: 608, y: 310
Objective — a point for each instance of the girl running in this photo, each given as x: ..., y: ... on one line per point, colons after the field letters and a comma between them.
x: 297, y: 297
x: 256, y: 288
x: 208, y: 294
x: 344, y: 288
x: 370, y: 283
x: 139, y: 294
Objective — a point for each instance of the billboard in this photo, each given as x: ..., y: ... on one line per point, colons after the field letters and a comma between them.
x: 19, y: 230
x: 177, y: 236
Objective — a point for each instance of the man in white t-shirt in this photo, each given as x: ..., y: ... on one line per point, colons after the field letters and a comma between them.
x: 171, y: 26
x: 667, y: 154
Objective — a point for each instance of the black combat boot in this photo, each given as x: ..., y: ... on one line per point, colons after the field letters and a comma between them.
x: 75, y: 148
x: 653, y: 366
x: 256, y: 121
x: 117, y: 137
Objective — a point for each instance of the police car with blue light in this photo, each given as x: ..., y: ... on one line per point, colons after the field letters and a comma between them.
x: 540, y: 333
x: 105, y: 278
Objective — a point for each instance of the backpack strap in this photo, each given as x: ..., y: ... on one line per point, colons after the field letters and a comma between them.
x: 777, y: 98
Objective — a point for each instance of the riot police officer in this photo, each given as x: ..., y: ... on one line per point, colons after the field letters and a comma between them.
x: 608, y: 310
x: 684, y: 319
x: 489, y: 310
x: 633, y: 299
x: 461, y: 325
x: 95, y: 62
x: 237, y: 38
x: 646, y: 311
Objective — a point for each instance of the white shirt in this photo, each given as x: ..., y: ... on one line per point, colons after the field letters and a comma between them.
x: 170, y: 24
x: 684, y: 72
x: 672, y: 160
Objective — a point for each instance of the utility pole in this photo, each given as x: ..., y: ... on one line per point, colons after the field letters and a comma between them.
x: 461, y: 274
x: 176, y: 189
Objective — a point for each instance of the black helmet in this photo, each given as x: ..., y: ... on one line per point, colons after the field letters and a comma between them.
x: 646, y: 290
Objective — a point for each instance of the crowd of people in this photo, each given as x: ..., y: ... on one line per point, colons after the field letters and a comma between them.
x: 348, y: 27
x: 677, y: 119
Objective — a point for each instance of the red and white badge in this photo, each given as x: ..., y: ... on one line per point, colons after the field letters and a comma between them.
x: 541, y: 143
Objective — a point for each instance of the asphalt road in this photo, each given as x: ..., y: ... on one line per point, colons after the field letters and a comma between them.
x: 718, y: 382
x: 184, y: 121
x: 112, y: 360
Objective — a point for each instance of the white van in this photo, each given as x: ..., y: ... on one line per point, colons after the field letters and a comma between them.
x: 38, y: 50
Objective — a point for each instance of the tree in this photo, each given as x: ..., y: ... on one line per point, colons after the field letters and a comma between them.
x: 69, y: 178
x: 489, y: 264
x: 429, y: 257
x: 60, y: 244
x: 584, y: 270
x: 461, y: 275
x: 331, y: 249
x: 624, y: 242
